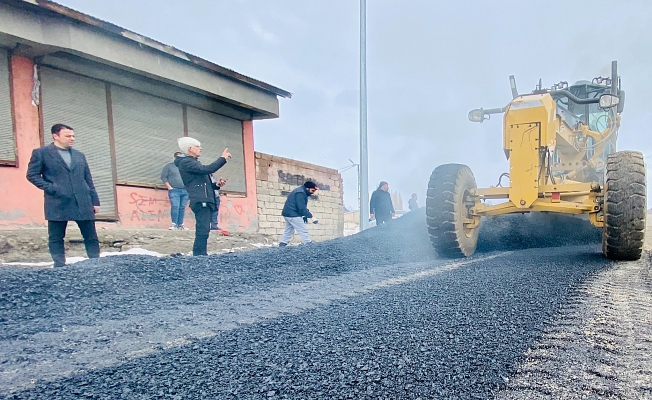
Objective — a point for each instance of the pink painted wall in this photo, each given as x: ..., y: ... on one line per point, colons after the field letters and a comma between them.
x: 21, y: 204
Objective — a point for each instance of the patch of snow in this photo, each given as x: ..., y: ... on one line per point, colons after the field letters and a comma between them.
x: 72, y: 260
x: 37, y: 264
x: 133, y: 251
x: 259, y: 245
x: 233, y: 249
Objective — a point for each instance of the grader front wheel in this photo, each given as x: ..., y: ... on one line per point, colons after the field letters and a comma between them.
x: 624, y: 206
x: 447, y: 208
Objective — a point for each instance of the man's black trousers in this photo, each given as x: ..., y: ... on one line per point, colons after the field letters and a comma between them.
x: 202, y: 227
x: 383, y: 218
x: 56, y: 233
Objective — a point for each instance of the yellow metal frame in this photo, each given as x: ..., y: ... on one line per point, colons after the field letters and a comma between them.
x: 569, y: 198
x: 532, y: 131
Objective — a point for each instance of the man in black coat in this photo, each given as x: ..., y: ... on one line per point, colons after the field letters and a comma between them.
x: 63, y: 174
x: 381, y: 205
x: 197, y: 180
x: 296, y: 213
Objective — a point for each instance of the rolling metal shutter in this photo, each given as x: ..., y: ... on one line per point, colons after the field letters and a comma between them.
x: 81, y: 103
x: 145, y: 129
x: 216, y: 132
x: 7, y: 139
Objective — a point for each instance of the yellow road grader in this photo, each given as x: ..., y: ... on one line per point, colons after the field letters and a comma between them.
x: 561, y: 147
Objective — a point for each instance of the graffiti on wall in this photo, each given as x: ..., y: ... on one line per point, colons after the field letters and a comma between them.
x: 145, y: 207
x: 232, y: 215
x: 294, y: 179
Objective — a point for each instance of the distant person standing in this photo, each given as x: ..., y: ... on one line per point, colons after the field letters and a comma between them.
x: 197, y: 180
x: 63, y: 174
x: 380, y: 205
x: 412, y: 203
x: 177, y: 193
x: 296, y: 213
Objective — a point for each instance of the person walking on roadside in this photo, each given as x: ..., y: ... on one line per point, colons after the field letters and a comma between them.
x: 177, y: 193
x: 196, y: 178
x: 380, y: 205
x: 65, y: 178
x: 296, y: 213
x: 412, y: 203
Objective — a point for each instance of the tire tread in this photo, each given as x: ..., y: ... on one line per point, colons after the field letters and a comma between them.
x: 625, y: 202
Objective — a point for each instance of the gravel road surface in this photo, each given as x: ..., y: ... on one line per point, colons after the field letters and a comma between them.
x: 374, y: 315
x: 599, y: 345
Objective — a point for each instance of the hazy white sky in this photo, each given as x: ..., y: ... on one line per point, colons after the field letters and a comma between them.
x: 429, y: 63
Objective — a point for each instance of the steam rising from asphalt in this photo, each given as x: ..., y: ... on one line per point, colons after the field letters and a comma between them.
x: 536, y: 230
x: 507, y: 232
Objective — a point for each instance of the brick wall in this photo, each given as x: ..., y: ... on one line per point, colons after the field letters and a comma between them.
x: 277, y: 176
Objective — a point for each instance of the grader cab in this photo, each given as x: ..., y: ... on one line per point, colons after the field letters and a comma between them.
x: 561, y: 147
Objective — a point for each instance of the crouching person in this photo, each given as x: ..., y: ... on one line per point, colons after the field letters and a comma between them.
x: 296, y: 213
x: 197, y: 180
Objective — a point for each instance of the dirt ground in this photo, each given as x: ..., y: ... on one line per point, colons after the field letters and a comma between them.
x: 30, y: 245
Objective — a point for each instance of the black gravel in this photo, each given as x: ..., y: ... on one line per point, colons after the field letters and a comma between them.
x: 32, y: 301
x: 456, y: 334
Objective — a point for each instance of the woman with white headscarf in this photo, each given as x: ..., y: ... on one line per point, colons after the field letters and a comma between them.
x: 197, y: 180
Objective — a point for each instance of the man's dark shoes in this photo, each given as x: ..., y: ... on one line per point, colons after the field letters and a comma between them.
x: 59, y: 260
x: 282, y: 244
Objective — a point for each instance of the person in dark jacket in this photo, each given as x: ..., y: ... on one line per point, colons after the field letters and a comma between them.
x: 177, y: 194
x: 296, y: 213
x: 63, y: 174
x: 380, y: 205
x: 197, y: 180
x: 217, y: 185
x: 412, y: 203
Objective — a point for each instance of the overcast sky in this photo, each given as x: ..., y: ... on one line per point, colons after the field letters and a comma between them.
x: 428, y: 64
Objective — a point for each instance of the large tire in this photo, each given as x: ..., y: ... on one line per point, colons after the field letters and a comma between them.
x: 625, y: 205
x: 445, y: 209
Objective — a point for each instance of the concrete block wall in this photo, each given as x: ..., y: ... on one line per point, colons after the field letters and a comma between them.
x: 277, y: 176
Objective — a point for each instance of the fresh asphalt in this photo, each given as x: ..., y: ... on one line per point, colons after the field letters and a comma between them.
x: 374, y: 315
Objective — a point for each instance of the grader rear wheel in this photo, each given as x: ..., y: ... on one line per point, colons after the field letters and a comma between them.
x: 446, y: 210
x: 624, y: 206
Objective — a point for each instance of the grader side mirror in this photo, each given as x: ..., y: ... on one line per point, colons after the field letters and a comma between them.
x: 476, y: 115
x: 608, y: 101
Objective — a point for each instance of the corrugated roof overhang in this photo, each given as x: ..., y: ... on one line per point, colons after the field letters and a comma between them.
x: 39, y: 28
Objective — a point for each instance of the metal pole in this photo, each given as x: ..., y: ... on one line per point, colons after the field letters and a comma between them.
x: 364, y: 162
x: 358, y: 165
x: 614, y: 78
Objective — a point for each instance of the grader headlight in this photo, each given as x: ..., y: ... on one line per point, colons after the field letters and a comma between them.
x: 608, y: 101
x: 476, y: 115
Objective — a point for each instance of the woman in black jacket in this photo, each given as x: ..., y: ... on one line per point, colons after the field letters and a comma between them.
x: 197, y: 180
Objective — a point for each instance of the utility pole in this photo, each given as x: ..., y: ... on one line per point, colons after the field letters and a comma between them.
x: 364, y: 161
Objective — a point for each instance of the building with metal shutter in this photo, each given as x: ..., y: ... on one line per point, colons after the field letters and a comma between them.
x: 128, y: 99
